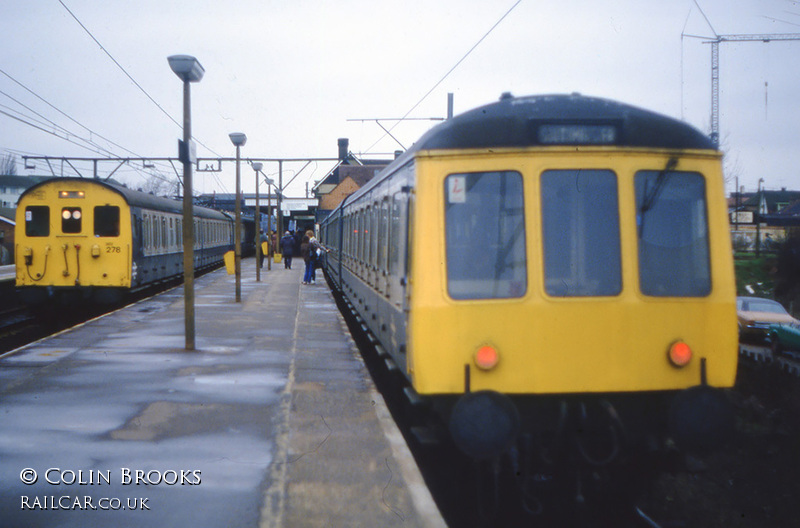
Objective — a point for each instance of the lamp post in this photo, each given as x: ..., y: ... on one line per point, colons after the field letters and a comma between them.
x: 257, y: 165
x: 189, y: 70
x: 238, y: 139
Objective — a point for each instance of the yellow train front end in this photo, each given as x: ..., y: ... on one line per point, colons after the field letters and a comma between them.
x: 73, y: 240
x: 581, y: 271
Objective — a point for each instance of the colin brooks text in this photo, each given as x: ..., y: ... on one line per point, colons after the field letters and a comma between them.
x: 126, y: 477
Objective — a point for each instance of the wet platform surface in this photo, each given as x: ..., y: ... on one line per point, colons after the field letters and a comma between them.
x: 272, y: 422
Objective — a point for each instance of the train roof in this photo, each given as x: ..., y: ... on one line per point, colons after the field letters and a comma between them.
x: 551, y: 120
x: 561, y: 120
x: 136, y: 198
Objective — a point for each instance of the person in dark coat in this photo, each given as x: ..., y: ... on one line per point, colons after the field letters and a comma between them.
x: 287, y: 250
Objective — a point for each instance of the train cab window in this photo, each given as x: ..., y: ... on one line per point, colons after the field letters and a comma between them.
x: 580, y: 233
x: 673, y: 234
x: 485, y: 235
x: 71, y: 220
x: 37, y: 221
x: 106, y: 221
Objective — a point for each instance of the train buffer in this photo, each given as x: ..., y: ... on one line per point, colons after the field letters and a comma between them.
x: 273, y: 421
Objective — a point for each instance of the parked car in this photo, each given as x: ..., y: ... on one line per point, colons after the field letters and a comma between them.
x: 756, y: 315
x: 784, y: 337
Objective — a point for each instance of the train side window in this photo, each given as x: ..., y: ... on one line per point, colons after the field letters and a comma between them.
x: 366, y: 256
x: 348, y: 235
x: 383, y: 235
x: 580, y: 232
x: 673, y: 234
x: 146, y: 232
x: 106, y: 221
x: 71, y: 220
x: 485, y: 235
x: 360, y: 237
x: 37, y: 221
x: 397, y: 234
x: 373, y: 236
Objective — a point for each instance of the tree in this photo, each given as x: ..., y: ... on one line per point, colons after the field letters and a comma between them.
x: 158, y: 184
x: 8, y: 165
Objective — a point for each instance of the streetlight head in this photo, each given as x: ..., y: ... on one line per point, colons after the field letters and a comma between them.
x: 257, y: 166
x: 186, y: 67
x: 238, y: 138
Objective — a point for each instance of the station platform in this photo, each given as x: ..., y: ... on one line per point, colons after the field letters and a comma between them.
x: 272, y: 422
x: 8, y: 273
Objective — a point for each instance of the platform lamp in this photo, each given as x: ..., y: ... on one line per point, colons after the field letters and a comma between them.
x: 189, y: 70
x: 238, y: 139
x: 257, y: 166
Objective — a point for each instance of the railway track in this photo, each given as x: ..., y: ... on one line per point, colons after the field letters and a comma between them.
x: 17, y: 327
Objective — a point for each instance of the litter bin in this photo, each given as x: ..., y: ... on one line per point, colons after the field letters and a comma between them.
x: 230, y: 262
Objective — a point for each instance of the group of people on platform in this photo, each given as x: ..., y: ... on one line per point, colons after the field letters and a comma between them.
x: 300, y: 244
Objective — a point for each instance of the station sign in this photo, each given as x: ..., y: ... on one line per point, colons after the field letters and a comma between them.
x: 742, y: 217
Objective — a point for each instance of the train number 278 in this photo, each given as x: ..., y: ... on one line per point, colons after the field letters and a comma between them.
x: 113, y: 249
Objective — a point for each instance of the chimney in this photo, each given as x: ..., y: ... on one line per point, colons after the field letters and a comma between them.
x: 343, y: 148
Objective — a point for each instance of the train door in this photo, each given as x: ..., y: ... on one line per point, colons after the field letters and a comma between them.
x: 399, y: 207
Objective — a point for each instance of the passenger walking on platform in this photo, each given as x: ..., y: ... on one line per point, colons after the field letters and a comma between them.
x: 315, y: 251
x: 309, y: 254
x: 261, y: 239
x: 287, y: 248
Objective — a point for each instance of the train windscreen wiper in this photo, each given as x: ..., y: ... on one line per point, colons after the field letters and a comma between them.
x: 651, y: 196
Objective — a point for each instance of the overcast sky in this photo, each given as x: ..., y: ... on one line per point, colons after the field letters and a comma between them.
x: 290, y: 74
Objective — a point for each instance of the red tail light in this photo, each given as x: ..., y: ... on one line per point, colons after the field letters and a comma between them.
x: 486, y: 358
x: 680, y: 354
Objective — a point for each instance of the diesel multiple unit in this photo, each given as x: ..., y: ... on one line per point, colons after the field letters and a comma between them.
x: 554, y: 275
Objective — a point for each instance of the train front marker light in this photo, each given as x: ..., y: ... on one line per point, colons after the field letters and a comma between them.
x: 486, y: 357
x: 680, y: 354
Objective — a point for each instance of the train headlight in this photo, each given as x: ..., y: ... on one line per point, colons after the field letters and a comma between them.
x: 680, y: 354
x: 486, y: 357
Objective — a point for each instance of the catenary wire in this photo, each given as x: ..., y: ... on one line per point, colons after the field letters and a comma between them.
x: 440, y: 81
x: 129, y: 75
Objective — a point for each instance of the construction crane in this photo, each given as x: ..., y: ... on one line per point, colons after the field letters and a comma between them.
x: 715, y: 41
x: 715, y: 68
